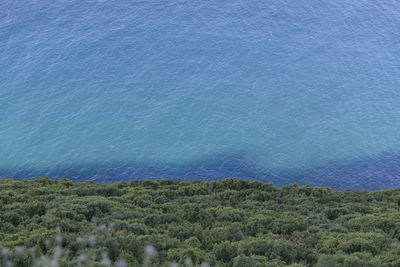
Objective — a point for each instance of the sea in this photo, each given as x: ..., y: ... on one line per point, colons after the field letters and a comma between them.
x: 288, y: 92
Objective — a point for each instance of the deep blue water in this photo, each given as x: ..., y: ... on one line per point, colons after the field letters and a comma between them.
x: 283, y: 91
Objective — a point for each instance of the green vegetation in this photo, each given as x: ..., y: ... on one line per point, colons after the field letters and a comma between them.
x: 225, y: 223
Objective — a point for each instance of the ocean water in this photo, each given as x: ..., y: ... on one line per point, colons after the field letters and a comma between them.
x: 282, y: 91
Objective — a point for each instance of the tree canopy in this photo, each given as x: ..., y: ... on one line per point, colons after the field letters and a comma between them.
x: 222, y: 223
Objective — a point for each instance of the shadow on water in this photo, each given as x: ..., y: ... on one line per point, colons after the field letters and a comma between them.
x: 375, y: 172
x: 370, y: 173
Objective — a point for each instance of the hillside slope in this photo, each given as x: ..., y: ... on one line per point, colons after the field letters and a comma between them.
x: 220, y: 223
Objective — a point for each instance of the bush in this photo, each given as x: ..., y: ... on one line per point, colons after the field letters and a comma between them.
x: 226, y: 223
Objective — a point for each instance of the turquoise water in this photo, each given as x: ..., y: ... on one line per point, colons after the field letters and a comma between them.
x: 281, y: 91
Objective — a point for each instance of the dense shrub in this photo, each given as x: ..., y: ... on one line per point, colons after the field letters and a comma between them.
x: 225, y: 223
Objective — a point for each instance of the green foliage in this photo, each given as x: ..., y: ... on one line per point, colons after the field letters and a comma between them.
x: 225, y: 251
x: 225, y: 223
x: 353, y: 260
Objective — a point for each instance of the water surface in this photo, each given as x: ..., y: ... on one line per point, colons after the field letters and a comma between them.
x: 281, y: 91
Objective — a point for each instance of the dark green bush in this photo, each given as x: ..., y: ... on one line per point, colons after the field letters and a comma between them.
x: 226, y: 223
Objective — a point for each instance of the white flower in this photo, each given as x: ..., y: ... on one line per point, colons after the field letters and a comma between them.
x: 122, y: 263
x: 150, y: 251
x: 92, y: 240
x: 188, y: 261
x: 5, y: 251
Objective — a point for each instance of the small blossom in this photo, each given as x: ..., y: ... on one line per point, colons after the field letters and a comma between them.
x: 150, y: 251
x: 53, y: 263
x: 58, y: 238
x: 122, y: 263
x: 103, y: 227
x: 92, y: 240
x: 188, y: 261
x: 82, y: 257
x: 57, y: 253
x: 19, y: 250
x: 105, y: 260
x: 5, y: 251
